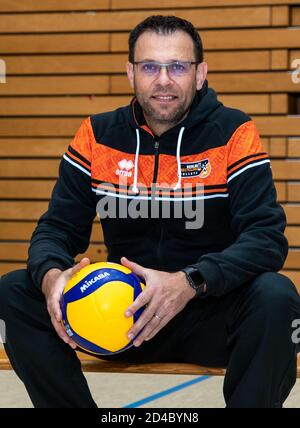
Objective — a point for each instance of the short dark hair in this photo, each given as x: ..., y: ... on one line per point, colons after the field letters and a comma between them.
x: 165, y: 25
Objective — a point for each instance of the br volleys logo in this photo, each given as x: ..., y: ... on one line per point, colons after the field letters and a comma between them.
x: 200, y: 169
x: 124, y: 168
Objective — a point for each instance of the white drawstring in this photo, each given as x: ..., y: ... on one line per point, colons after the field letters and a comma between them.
x: 135, y: 179
x: 178, y: 184
x: 134, y: 187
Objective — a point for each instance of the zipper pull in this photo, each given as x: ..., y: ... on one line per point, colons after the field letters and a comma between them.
x: 156, y: 155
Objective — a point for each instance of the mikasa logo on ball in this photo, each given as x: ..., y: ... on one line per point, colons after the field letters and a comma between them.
x: 92, y: 281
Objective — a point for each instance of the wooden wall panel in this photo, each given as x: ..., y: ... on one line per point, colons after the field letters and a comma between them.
x: 149, y: 4
x: 295, y: 14
x: 62, y: 127
x: 280, y: 15
x: 277, y: 147
x: 293, y: 191
x: 33, y: 147
x: 63, y: 66
x: 261, y: 38
x: 229, y: 82
x: 88, y: 105
x: 45, y: 168
x: 22, y: 230
x: 40, y: 189
x: 286, y: 170
x: 85, y: 106
x: 115, y: 63
x: 56, y: 85
x: 20, y: 210
x: 54, y: 43
x: 294, y: 147
x: 122, y: 21
x: 51, y: 5
x: 25, y: 189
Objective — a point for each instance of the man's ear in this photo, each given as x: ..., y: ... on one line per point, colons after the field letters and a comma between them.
x: 201, y: 74
x: 130, y: 73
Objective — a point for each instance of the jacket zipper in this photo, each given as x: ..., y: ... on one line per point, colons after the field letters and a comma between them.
x: 156, y: 154
x: 156, y: 161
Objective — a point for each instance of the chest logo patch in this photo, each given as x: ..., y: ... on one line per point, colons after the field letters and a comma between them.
x: 200, y: 169
x: 124, y: 168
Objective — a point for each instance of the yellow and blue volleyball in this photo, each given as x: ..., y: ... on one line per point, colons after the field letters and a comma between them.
x: 93, y: 307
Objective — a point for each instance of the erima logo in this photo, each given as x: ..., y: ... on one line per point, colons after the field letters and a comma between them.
x: 92, y: 281
x: 124, y: 167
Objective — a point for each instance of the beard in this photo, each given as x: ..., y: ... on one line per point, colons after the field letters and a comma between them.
x: 171, y: 116
x: 165, y: 114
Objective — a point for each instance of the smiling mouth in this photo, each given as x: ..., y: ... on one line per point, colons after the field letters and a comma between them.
x: 164, y: 98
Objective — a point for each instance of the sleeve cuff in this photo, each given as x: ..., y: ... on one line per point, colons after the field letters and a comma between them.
x: 38, y: 276
x: 212, y: 276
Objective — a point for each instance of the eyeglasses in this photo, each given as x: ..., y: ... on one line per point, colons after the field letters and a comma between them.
x: 174, y: 69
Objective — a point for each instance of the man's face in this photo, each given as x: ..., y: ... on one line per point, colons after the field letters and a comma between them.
x: 165, y: 98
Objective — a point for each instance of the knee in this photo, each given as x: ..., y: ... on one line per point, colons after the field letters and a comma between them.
x: 275, y: 293
x: 11, y: 285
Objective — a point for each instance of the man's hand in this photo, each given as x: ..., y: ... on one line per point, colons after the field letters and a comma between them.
x: 53, y: 285
x: 165, y: 295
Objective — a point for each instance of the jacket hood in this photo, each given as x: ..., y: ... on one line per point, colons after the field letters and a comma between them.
x: 204, y: 104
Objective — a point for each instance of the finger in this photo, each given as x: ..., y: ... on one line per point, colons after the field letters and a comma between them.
x: 60, y: 330
x: 150, y: 336
x: 64, y: 336
x: 56, y: 296
x: 164, y: 321
x: 57, y: 312
x: 54, y: 306
x: 142, y: 299
x: 135, y: 267
x: 83, y: 262
x: 145, y: 318
x: 153, y: 326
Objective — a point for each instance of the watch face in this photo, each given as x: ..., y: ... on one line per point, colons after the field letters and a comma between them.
x: 196, y: 277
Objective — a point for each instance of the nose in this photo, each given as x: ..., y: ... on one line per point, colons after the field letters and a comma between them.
x: 163, y: 77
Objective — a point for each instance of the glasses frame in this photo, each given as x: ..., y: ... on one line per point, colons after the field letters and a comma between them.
x: 165, y: 65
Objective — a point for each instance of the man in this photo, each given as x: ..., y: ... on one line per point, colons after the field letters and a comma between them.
x: 212, y: 293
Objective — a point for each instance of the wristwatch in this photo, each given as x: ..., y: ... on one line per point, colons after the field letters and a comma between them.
x: 195, y: 280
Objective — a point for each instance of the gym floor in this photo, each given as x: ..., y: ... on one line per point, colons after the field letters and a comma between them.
x: 155, y: 391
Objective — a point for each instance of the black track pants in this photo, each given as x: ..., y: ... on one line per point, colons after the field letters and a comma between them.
x: 249, y: 331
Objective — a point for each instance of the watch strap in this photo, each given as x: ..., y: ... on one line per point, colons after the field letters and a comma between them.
x: 195, y: 280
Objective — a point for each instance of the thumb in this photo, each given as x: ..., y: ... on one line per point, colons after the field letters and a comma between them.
x: 135, y: 267
x: 83, y: 262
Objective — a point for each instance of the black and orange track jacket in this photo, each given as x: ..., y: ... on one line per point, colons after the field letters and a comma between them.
x: 215, y: 152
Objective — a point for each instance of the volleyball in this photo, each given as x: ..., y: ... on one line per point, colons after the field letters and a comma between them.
x: 93, y: 306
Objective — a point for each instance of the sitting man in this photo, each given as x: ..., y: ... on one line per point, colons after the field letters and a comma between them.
x: 213, y: 293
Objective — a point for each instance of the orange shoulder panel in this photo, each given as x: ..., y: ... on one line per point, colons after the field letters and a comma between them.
x: 84, y: 141
x: 245, y: 145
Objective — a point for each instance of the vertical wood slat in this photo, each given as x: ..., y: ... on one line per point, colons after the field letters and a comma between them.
x: 280, y: 15
x: 279, y: 103
x: 279, y: 59
x: 278, y: 147
x: 295, y: 16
